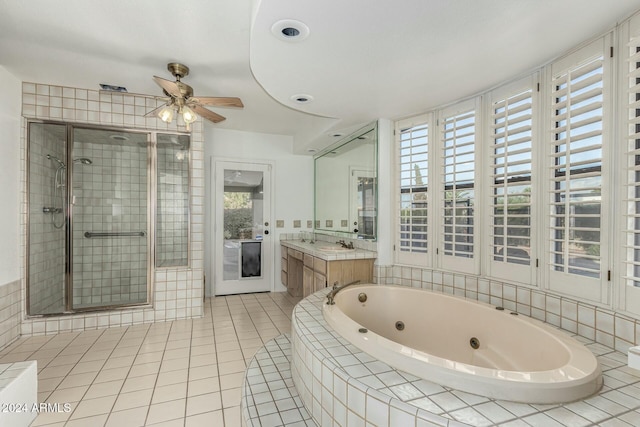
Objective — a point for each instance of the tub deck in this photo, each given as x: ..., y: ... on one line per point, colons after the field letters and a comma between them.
x: 337, y: 381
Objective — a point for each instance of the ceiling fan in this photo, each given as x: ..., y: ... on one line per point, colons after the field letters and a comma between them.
x: 179, y: 99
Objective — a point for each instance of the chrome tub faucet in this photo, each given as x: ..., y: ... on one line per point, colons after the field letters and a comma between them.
x: 331, y: 295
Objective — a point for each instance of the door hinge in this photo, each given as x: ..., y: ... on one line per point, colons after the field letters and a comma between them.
x: 437, y: 251
x: 394, y: 248
x: 608, y: 275
x: 537, y: 263
x: 611, y: 51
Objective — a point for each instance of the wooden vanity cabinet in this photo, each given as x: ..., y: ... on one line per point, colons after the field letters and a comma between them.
x: 304, y: 274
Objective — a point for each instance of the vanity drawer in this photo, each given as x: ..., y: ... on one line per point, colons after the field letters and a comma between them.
x: 283, y: 251
x: 295, y: 254
x: 283, y: 278
x: 320, y: 265
x: 283, y: 264
x: 308, y: 260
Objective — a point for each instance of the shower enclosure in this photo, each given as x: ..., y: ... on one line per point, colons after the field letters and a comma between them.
x: 93, y: 195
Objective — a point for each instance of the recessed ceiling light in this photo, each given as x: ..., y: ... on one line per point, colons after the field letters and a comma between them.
x: 312, y: 150
x: 290, y: 30
x: 336, y: 134
x: 302, y: 98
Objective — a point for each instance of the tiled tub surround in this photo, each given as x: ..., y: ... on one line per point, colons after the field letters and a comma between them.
x: 10, y: 309
x: 177, y: 291
x: 269, y: 397
x: 18, y: 393
x: 340, y: 384
x: 604, y: 326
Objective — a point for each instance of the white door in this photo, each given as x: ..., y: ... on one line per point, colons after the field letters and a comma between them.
x: 243, y: 248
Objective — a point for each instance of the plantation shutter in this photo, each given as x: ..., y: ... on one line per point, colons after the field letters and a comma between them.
x: 412, y: 139
x: 457, y: 196
x: 511, y: 136
x: 630, y: 295
x: 578, y: 209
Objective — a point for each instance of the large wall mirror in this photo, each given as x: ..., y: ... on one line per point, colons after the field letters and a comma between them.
x: 346, y: 186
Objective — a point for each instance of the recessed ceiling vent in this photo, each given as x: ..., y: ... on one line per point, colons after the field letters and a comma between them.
x: 301, y: 98
x: 290, y: 30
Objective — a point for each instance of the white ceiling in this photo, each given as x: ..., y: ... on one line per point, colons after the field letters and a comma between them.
x: 362, y: 59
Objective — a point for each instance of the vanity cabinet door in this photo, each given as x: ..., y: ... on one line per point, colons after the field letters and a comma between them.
x: 307, y: 282
x: 319, y: 281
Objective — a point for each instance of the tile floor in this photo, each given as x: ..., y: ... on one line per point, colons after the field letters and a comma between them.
x: 182, y: 373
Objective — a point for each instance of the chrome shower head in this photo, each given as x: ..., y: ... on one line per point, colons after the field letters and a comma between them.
x: 83, y: 160
x: 60, y: 162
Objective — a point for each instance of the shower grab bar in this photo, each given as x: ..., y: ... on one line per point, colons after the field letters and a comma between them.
x: 90, y: 235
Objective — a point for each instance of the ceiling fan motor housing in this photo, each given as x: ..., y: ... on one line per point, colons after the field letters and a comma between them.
x: 178, y: 70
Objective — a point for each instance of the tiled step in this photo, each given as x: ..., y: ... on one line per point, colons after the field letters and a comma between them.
x: 269, y: 397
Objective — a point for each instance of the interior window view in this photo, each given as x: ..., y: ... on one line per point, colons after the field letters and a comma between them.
x: 243, y: 213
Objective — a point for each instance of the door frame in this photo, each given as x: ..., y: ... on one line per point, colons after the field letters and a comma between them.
x: 268, y: 244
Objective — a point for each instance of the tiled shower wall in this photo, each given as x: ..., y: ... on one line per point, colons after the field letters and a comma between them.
x: 10, y: 309
x: 604, y: 326
x: 177, y: 292
x: 110, y: 196
x: 47, y: 242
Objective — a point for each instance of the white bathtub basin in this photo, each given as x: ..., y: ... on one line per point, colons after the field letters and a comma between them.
x: 517, y: 358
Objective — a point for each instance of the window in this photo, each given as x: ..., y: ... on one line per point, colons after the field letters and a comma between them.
x: 458, y: 147
x: 511, y: 131
x: 578, y: 220
x: 413, y: 153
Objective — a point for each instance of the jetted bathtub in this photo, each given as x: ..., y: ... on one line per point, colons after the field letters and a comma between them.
x: 465, y: 345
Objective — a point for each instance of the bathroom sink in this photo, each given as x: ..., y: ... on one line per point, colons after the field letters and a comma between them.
x: 334, y: 249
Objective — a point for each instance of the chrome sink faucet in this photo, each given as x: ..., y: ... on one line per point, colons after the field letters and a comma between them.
x: 331, y: 295
x: 345, y: 244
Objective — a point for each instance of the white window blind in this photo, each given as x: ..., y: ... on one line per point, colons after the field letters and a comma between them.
x: 576, y: 209
x: 510, y: 195
x: 413, y: 168
x: 458, y: 176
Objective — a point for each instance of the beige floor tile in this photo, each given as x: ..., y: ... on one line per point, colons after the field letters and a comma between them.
x: 174, y: 364
x: 169, y: 392
x: 84, y: 367
x: 94, y: 421
x: 119, y: 362
x: 231, y: 397
x: 231, y: 380
x: 108, y: 388
x: 206, y: 371
x: 73, y: 394
x: 134, y: 399
x: 139, y: 383
x: 229, y: 356
x: 232, y: 417
x: 232, y: 367
x: 203, y: 386
x: 144, y: 369
x: 204, y: 403
x: 107, y: 375
x: 207, y: 419
x: 166, y: 411
x: 55, y: 371
x: 129, y: 418
x: 78, y: 380
x: 92, y: 407
x: 172, y: 377
x: 202, y: 359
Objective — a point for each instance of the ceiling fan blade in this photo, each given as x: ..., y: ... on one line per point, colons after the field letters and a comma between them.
x: 207, y: 114
x: 170, y: 87
x: 218, y: 101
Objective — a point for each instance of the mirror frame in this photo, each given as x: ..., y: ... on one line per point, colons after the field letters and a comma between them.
x: 341, y: 143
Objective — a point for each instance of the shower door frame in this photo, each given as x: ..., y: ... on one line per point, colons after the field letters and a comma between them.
x: 151, y: 215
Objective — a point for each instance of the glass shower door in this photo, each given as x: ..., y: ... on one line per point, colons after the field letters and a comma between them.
x: 109, y: 216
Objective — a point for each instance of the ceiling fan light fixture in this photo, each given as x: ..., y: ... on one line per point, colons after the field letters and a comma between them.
x: 166, y: 114
x: 188, y: 115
